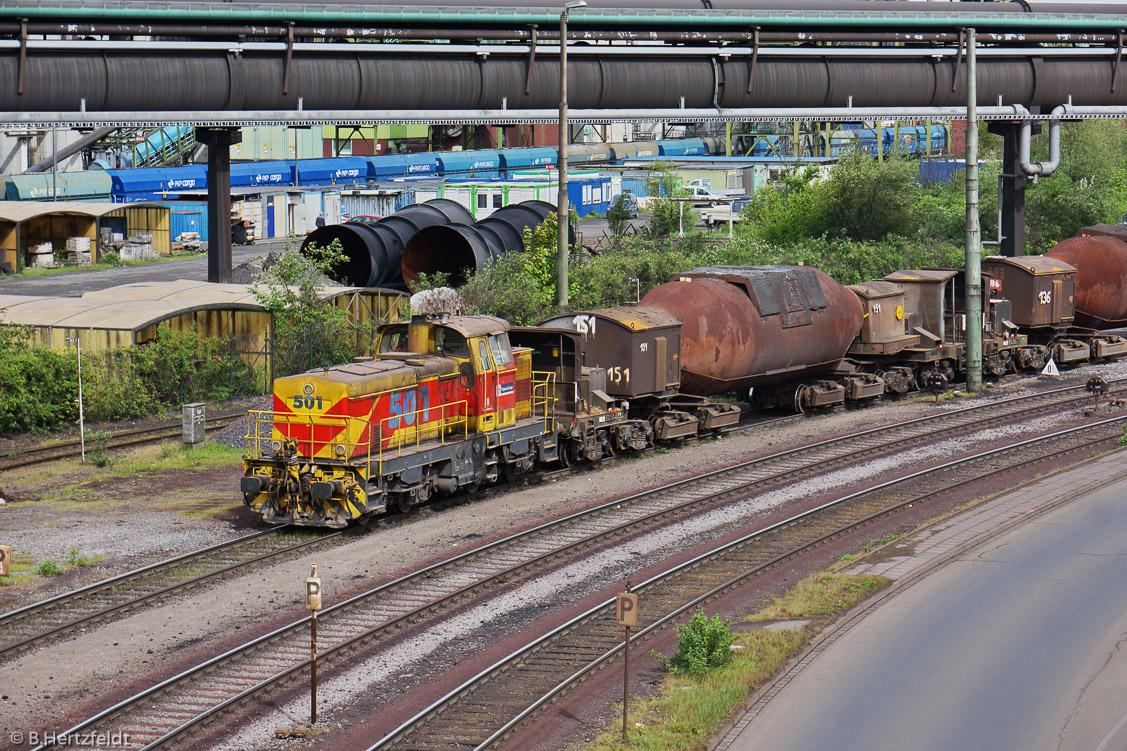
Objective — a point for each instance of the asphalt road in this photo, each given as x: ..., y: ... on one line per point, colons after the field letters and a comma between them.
x: 1015, y: 647
x: 74, y: 283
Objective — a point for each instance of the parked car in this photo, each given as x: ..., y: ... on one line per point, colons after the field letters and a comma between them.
x: 363, y: 219
x: 703, y: 196
x: 631, y: 202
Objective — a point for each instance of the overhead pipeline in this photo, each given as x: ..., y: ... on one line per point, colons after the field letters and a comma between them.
x: 373, y: 252
x: 459, y: 250
x: 640, y: 13
x: 180, y: 80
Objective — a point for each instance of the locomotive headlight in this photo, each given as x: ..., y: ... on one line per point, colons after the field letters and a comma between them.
x: 340, y: 450
x: 276, y: 446
x: 307, y: 388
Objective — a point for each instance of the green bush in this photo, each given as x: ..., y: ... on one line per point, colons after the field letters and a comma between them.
x: 703, y: 645
x: 48, y: 567
x: 39, y: 386
x: 112, y: 258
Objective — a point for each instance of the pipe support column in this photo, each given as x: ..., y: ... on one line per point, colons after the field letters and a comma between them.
x: 561, y: 165
x: 219, y: 142
x: 973, y: 279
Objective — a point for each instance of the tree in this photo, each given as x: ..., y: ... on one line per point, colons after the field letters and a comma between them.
x: 618, y: 217
x: 309, y: 332
x: 668, y: 216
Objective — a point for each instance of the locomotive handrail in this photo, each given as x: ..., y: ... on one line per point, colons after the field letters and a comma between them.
x: 547, y: 403
x: 439, y: 426
x: 256, y: 416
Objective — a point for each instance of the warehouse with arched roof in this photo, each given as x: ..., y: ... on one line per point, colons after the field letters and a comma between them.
x: 26, y: 224
x: 131, y: 314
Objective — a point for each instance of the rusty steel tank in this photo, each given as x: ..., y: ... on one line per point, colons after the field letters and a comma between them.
x: 745, y: 326
x: 1101, y: 278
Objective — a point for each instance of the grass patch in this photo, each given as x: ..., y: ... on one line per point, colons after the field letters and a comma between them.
x: 172, y: 455
x: 32, y: 272
x: 19, y: 570
x: 821, y: 594
x: 687, y: 711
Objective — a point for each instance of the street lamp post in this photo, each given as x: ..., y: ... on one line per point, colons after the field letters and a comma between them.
x: 561, y: 200
x: 81, y: 417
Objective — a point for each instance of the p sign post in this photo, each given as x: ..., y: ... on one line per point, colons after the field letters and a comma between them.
x: 313, y: 603
x: 626, y: 615
x: 5, y: 560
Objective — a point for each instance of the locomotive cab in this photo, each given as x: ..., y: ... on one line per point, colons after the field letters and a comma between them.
x: 479, y: 345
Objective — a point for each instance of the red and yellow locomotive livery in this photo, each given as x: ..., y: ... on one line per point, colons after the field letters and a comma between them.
x: 445, y: 404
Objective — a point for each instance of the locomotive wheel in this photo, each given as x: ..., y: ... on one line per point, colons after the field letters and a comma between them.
x: 564, y: 452
x: 606, y: 443
x: 800, y: 395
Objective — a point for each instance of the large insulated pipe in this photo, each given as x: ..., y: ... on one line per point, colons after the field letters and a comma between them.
x: 373, y: 252
x: 460, y: 250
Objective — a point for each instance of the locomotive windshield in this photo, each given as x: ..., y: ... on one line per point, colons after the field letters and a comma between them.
x: 450, y: 343
x: 394, y: 339
x: 502, y: 354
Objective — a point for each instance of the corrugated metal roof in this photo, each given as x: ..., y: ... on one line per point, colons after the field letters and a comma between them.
x: 21, y: 211
x: 132, y: 307
x: 79, y: 313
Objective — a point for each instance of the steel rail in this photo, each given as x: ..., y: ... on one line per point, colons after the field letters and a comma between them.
x: 602, y: 610
x: 119, y: 439
x: 42, y: 609
x: 554, y: 530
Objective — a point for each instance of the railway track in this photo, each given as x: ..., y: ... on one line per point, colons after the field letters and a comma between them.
x: 119, y: 440
x: 34, y: 624
x: 490, y: 706
x: 170, y: 710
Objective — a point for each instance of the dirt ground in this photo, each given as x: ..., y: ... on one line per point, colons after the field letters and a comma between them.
x: 137, y: 512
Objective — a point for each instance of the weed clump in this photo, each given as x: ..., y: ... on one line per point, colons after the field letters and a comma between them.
x: 703, y: 645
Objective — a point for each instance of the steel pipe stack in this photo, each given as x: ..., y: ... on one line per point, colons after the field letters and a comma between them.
x: 460, y: 250
x: 373, y: 252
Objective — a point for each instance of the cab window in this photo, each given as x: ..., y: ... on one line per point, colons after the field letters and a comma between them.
x: 450, y: 343
x: 483, y: 355
x: 393, y: 339
x: 502, y: 354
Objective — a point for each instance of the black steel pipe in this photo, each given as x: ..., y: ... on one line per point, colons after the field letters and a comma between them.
x: 213, y: 81
x: 459, y: 250
x: 373, y: 252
